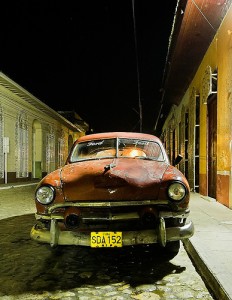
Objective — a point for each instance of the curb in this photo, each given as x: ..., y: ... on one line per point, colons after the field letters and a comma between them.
x: 212, y: 283
x: 6, y: 187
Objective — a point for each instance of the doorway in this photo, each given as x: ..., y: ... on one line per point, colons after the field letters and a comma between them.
x: 212, y: 146
x: 37, y: 150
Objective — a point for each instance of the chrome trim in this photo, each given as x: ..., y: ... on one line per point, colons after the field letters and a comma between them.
x: 57, y: 237
x: 174, y: 214
x: 103, y: 204
x: 48, y: 217
x: 161, y: 232
x: 116, y: 216
x: 111, y: 217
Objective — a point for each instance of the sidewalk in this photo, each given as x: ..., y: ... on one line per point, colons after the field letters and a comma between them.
x: 17, y: 199
x: 210, y: 248
x: 6, y: 186
x: 211, y: 245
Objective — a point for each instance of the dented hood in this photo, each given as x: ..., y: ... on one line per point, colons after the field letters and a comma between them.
x: 112, y: 179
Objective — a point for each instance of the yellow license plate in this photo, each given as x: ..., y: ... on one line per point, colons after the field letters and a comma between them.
x: 106, y: 239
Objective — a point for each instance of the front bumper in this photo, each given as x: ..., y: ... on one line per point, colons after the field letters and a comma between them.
x: 160, y: 235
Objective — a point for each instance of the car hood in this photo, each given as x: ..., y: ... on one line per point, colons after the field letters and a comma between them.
x: 107, y: 179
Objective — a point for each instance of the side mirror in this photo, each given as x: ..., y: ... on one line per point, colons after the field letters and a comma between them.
x: 178, y: 159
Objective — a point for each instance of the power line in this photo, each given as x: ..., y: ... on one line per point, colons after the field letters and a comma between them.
x: 137, y: 65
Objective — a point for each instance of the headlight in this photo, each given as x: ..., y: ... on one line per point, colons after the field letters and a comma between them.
x: 176, y: 191
x: 45, y: 194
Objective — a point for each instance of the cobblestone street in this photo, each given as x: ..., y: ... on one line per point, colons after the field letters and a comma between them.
x: 35, y: 271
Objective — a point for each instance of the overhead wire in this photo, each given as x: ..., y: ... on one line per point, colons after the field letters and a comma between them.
x: 193, y: 1
x: 165, y: 68
x: 137, y: 67
x: 167, y: 56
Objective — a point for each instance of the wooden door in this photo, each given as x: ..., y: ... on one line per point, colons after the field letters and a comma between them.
x: 212, y: 147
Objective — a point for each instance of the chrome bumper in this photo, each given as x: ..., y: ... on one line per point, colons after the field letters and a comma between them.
x: 161, y: 235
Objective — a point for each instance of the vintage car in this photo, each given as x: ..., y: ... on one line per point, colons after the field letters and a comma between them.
x: 116, y: 189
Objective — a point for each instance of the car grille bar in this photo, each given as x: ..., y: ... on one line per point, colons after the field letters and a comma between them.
x: 103, y: 204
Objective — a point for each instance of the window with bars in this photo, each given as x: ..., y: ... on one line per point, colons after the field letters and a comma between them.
x: 61, y: 150
x: 197, y: 144
x: 21, y: 148
x: 50, y: 151
x: 1, y: 145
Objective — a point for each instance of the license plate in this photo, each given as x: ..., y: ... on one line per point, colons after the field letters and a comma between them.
x: 106, y: 239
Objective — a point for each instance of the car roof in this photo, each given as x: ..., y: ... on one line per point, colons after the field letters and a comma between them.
x: 104, y: 135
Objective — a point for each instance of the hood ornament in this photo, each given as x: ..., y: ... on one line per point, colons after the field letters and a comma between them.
x: 109, y: 166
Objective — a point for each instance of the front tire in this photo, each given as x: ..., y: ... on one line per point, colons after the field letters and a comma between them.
x: 170, y: 250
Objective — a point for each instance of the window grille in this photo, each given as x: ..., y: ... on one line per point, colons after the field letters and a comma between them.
x: 1, y: 146
x: 21, y: 149
x: 209, y: 84
x: 61, y: 150
x: 50, y: 151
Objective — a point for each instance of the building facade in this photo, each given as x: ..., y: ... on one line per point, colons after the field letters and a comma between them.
x: 200, y: 127
x: 34, y: 139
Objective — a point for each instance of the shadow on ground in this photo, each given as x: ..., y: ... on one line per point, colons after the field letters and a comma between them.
x: 27, y: 266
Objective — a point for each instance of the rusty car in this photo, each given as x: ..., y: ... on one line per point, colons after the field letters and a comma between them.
x: 116, y: 189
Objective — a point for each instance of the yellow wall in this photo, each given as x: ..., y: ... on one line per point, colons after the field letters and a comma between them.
x: 218, y: 57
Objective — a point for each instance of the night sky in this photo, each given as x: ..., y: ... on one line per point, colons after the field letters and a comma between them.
x: 81, y: 56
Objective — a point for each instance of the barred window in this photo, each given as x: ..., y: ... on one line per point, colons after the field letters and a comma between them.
x: 21, y: 149
x: 50, y: 151
x: 1, y: 145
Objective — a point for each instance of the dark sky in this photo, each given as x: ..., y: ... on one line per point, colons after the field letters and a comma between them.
x: 81, y: 55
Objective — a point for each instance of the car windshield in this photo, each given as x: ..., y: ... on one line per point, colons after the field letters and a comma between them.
x: 117, y: 147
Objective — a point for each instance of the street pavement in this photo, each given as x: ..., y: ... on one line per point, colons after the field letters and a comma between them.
x: 210, y: 248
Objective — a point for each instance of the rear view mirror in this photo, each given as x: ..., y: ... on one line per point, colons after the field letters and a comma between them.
x: 178, y: 159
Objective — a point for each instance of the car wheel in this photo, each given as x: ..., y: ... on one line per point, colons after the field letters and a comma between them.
x: 170, y: 250
x: 159, y: 252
